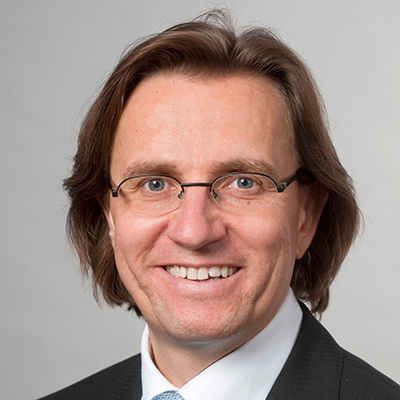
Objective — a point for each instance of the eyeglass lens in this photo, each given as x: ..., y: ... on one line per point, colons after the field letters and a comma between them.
x: 157, y: 195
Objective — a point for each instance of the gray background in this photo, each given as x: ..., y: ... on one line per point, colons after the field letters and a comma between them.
x: 54, y: 56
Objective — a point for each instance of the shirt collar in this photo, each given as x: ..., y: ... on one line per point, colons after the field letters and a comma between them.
x: 252, y: 368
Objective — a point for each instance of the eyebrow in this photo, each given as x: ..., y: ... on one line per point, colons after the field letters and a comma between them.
x: 167, y: 168
x: 147, y: 167
x: 246, y: 165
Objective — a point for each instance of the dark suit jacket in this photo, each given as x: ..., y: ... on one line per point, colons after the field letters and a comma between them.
x: 317, y: 368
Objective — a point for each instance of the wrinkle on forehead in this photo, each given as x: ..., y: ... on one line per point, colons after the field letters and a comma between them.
x: 219, y: 168
x: 252, y: 81
x: 160, y: 112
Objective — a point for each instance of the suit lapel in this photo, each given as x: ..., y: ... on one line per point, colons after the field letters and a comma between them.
x: 313, y: 368
x: 128, y: 385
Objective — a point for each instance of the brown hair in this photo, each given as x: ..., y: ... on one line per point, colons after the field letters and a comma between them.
x: 207, y: 45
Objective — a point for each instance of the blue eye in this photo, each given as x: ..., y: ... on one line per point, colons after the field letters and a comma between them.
x: 244, y: 183
x: 155, y: 185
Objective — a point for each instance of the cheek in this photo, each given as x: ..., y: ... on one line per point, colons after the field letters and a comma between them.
x: 134, y: 231
x: 270, y: 235
x: 134, y: 239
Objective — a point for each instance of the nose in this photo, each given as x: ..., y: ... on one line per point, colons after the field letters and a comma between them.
x: 196, y: 224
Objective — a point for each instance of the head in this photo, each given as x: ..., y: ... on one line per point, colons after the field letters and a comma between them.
x: 206, y: 54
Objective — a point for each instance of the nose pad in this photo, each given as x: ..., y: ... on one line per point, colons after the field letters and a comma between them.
x: 196, y: 223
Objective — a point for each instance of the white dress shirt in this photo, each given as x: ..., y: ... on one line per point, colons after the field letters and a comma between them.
x: 248, y: 372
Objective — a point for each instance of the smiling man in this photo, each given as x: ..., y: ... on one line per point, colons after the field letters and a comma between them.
x: 207, y: 196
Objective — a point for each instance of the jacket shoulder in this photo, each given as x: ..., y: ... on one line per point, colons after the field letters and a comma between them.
x: 119, y: 381
x: 318, y: 368
x: 361, y: 381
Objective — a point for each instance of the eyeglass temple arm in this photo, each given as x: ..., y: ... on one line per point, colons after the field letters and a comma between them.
x: 282, y: 186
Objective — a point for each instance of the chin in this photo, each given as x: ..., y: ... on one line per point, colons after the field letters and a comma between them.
x: 197, y: 329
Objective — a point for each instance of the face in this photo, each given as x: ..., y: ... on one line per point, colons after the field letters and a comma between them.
x: 196, y: 129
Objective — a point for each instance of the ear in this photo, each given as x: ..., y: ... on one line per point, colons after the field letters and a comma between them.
x: 313, y: 198
x: 105, y: 205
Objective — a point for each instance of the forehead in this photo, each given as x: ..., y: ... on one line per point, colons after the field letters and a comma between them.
x: 195, y: 123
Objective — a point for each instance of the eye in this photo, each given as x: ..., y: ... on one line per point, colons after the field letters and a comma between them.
x: 156, y: 185
x: 243, y: 183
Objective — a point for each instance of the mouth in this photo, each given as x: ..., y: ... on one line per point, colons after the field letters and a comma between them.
x: 201, y: 273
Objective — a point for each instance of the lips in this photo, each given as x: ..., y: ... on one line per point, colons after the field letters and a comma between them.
x: 201, y: 273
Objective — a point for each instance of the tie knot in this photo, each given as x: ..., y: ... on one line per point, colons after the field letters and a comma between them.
x: 169, y: 395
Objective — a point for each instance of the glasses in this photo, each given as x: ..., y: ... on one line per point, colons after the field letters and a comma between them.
x: 235, y: 191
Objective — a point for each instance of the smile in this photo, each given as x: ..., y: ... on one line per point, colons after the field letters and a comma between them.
x: 202, y: 273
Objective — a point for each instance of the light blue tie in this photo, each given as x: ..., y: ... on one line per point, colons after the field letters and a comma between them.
x: 170, y: 395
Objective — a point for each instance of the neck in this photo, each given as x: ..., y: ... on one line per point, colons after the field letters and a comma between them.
x: 180, y: 362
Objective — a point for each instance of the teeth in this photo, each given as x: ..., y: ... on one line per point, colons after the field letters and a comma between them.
x: 214, y: 272
x: 224, y: 272
x: 192, y: 274
x: 182, y: 272
x: 202, y: 273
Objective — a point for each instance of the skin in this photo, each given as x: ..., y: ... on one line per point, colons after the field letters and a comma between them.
x: 190, y: 126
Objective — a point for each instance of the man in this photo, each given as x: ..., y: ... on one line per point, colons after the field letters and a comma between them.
x: 207, y: 196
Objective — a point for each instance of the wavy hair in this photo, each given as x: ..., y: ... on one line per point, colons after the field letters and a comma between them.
x: 204, y: 46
